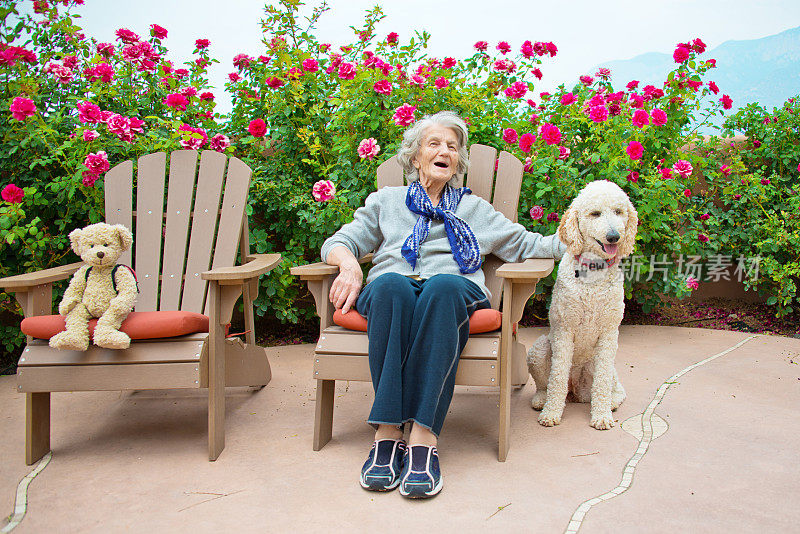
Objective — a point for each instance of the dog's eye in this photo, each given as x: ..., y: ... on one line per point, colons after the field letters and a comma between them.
x: 105, y: 244
x: 595, y: 214
x: 618, y: 211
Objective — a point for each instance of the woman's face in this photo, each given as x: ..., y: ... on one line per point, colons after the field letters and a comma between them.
x: 437, y: 157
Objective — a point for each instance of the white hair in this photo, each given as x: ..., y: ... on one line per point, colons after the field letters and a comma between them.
x: 412, y: 139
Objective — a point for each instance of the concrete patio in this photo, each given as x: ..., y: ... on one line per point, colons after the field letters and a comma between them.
x: 722, y: 457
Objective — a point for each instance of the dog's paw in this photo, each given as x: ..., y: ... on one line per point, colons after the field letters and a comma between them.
x: 537, y: 402
x: 602, y: 422
x: 547, y: 418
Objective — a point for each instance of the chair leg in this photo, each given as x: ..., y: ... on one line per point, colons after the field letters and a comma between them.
x: 323, y: 416
x: 216, y: 393
x: 37, y: 426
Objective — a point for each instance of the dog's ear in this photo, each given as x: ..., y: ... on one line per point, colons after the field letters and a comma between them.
x: 569, y: 233
x: 626, y: 246
x: 124, y: 236
x: 75, y: 241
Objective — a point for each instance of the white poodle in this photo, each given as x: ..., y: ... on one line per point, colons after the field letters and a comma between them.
x: 577, y: 356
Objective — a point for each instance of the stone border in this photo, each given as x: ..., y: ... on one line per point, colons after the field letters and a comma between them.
x: 644, y: 442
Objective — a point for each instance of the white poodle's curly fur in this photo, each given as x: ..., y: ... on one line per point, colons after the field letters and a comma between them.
x: 100, y: 246
x: 577, y: 356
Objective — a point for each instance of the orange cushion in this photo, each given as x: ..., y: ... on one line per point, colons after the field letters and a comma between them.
x: 480, y: 321
x: 138, y: 325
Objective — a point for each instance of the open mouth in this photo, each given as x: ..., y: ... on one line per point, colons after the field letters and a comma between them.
x: 608, y: 248
x: 441, y: 164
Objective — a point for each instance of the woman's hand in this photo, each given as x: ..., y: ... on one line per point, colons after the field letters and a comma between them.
x: 346, y: 287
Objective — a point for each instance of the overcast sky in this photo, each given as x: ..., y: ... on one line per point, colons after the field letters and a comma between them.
x: 587, y: 32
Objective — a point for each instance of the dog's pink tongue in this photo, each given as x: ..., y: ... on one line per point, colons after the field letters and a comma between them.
x: 610, y: 248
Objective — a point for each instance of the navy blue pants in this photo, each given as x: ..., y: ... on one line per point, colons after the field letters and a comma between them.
x: 417, y: 330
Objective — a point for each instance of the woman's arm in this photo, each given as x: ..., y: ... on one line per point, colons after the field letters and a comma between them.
x: 510, y: 241
x: 347, y: 285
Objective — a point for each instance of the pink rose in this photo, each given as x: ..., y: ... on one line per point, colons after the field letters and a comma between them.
x: 392, y: 38
x: 89, y: 178
x: 126, y: 36
x: 131, y: 52
x: 310, y: 65
x: 257, y: 128
x: 504, y: 47
x: 368, y: 148
x: 527, y: 49
x: 88, y: 112
x: 219, y: 142
x: 692, y: 283
x: 526, y: 141
x: 550, y: 133
x: 528, y: 167
x: 680, y: 54
x: 516, y: 90
x: 640, y: 118
x: 158, y: 32
x: 481, y: 46
x: 727, y: 170
x: 13, y: 194
x: 798, y: 167
x: 659, y: 117
x: 702, y: 238
x: 90, y: 135
x: 441, y: 82
x: 567, y: 99
x: 563, y: 152
x: 449, y: 63
x: 586, y: 80
x: 683, y: 167
x: 177, y: 101
x: 194, y: 138
x: 705, y: 217
x: 687, y: 193
x: 323, y: 191
x: 713, y: 87
x: 202, y: 44
x: 96, y: 163
x: 634, y: 150
x: 383, y: 87
x: 727, y: 103
x: 234, y: 77
x: 105, y: 49
x: 633, y: 176
x: 598, y: 113
x: 274, y: 82
x: 417, y: 80
x: 765, y: 181
x: 22, y: 108
x: 698, y: 46
x: 537, y: 212
x: 347, y: 71
x: 207, y: 96
x: 553, y: 217
x: 404, y: 115
x: 510, y: 135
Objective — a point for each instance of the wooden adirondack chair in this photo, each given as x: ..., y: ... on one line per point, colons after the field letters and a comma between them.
x: 180, y: 280
x: 491, y: 359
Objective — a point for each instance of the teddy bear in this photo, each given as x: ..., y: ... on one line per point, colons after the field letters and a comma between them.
x: 100, y: 289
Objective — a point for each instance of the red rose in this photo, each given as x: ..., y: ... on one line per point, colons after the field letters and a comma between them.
x: 257, y: 128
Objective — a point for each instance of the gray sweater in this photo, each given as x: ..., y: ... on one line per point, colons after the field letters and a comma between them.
x: 384, y: 222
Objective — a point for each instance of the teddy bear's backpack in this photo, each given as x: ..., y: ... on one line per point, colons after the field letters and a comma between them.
x: 114, y: 274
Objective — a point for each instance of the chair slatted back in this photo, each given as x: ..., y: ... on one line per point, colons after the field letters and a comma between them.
x: 171, y: 281
x: 481, y: 180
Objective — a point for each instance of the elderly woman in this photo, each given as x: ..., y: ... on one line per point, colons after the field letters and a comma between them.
x: 428, y: 238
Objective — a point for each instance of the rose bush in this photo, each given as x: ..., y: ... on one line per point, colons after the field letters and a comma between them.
x: 314, y: 121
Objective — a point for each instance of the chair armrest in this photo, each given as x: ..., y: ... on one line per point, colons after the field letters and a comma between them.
x: 257, y: 265
x: 314, y: 271
x: 45, y: 276
x: 319, y: 270
x: 520, y: 281
x: 528, y: 270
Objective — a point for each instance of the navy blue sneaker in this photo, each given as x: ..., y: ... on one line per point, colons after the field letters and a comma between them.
x: 381, y: 471
x: 421, y: 476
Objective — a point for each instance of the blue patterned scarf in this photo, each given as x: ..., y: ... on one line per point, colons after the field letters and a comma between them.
x: 463, y: 242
